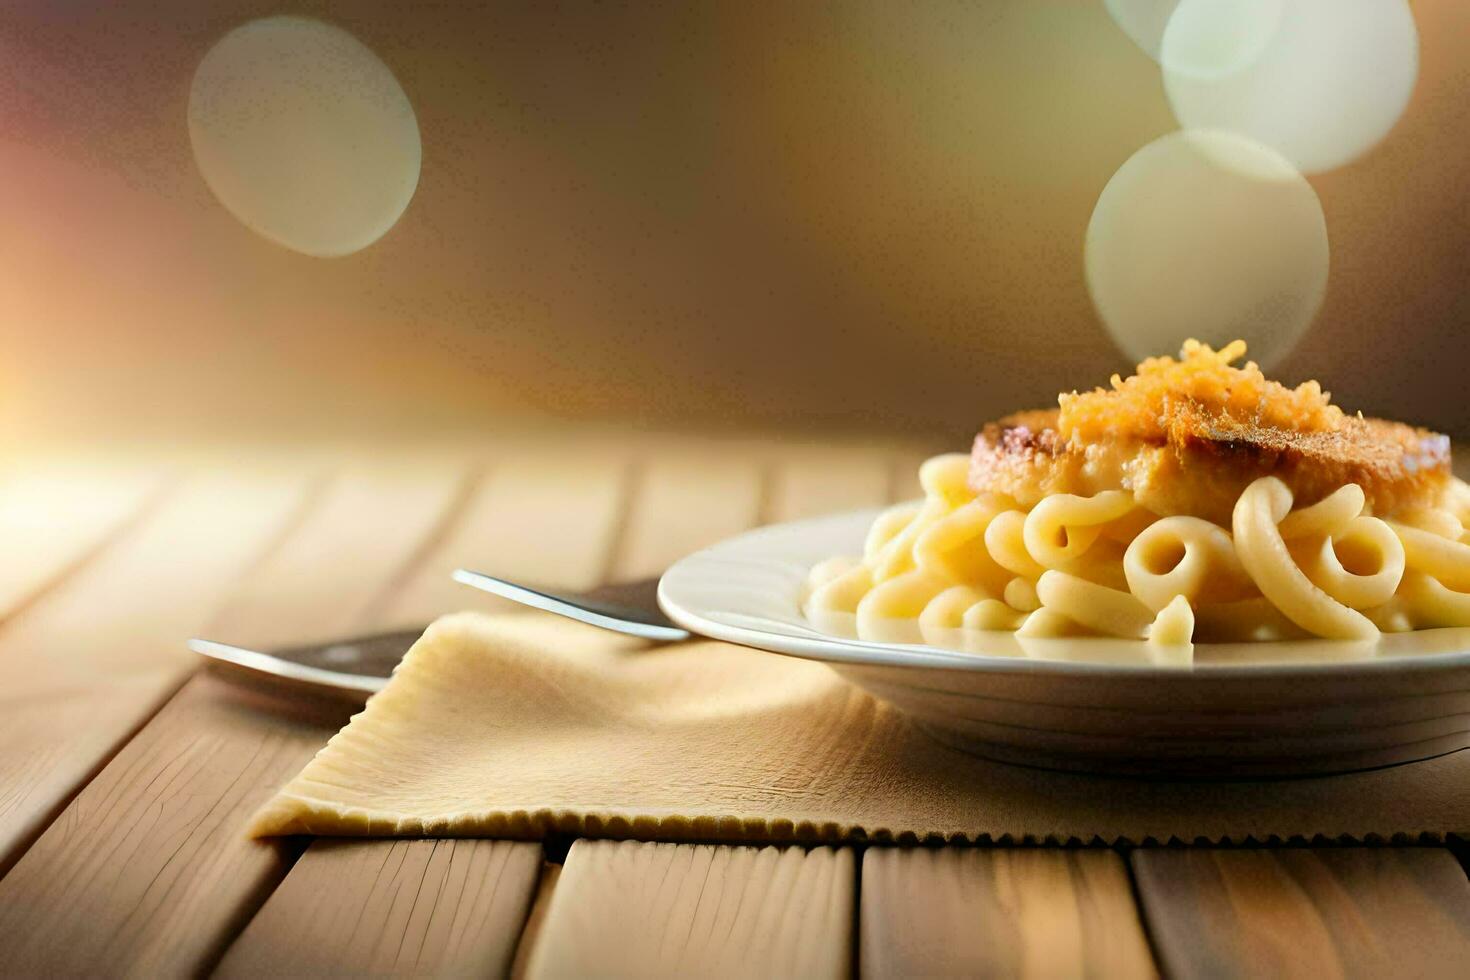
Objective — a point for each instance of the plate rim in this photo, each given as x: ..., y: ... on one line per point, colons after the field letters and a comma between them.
x: 853, y: 652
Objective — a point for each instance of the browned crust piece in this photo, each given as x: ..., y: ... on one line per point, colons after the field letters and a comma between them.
x: 1022, y: 456
x: 1399, y: 467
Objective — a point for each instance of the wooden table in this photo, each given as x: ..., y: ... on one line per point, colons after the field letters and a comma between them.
x: 126, y: 775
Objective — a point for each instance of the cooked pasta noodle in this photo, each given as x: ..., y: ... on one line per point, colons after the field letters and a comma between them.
x: 1005, y: 540
x: 992, y: 614
x: 1184, y: 556
x: 1108, y: 611
x: 953, y: 547
x: 843, y: 593
x: 902, y: 597
x: 1448, y: 561
x: 1326, y: 515
x: 947, y: 609
x: 1360, y: 565
x: 1101, y: 564
x: 1442, y: 522
x: 829, y: 571
x: 1428, y: 603
x: 890, y: 525
x: 1048, y: 623
x: 1174, y: 625
x: 1262, y: 551
x: 1457, y: 501
x: 1021, y: 594
x: 1063, y: 526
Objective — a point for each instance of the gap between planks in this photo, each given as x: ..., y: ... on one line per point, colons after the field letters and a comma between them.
x: 62, y: 517
x: 540, y: 519
x: 623, y: 908
x: 626, y: 908
x: 287, y: 577
x: 405, y: 907
x: 189, y: 878
x: 999, y: 911
x: 87, y: 664
x: 146, y: 868
x: 1307, y: 912
x: 536, y: 921
x: 673, y: 505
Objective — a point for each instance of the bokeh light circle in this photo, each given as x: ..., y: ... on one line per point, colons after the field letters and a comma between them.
x: 1211, y: 235
x: 1143, y: 21
x: 1320, y: 81
x: 304, y: 135
x: 1213, y: 40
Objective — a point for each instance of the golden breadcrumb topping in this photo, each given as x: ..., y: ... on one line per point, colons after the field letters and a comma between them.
x: 1202, y: 383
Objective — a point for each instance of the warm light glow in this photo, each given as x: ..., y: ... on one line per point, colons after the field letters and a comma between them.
x: 1320, y: 81
x: 1210, y: 235
x: 1143, y: 21
x: 304, y: 135
x: 1213, y: 40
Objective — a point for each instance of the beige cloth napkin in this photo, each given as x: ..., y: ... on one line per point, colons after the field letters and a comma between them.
x: 515, y: 725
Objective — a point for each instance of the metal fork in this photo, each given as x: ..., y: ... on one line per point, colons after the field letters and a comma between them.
x: 351, y: 669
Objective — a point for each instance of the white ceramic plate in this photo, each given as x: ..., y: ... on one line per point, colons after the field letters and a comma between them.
x: 1219, y: 710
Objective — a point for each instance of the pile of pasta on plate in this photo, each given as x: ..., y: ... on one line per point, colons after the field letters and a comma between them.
x: 1194, y: 501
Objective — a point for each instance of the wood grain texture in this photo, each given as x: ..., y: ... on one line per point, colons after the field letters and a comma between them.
x: 328, y: 578
x: 54, y: 517
x: 85, y: 664
x: 546, y: 518
x: 536, y: 920
x: 178, y: 795
x: 625, y: 909
x: 408, y: 908
x: 1320, y: 913
x: 1012, y: 912
x: 827, y: 482
x: 683, y: 502
x: 147, y: 871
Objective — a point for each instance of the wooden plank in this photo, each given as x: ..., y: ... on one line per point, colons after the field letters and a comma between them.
x: 83, y: 666
x: 1298, y: 912
x: 55, y: 516
x: 148, y: 870
x: 544, y: 519
x: 828, y: 481
x: 626, y: 909
x: 1021, y: 912
x: 550, y: 517
x: 536, y: 921
x: 683, y: 502
x: 406, y: 908
x: 367, y: 532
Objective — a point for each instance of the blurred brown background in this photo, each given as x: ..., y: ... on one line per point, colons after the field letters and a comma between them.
x: 860, y: 217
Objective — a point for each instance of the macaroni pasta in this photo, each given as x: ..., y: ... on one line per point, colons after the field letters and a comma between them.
x: 1102, y: 564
